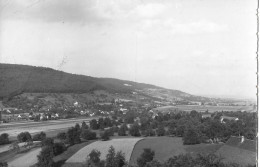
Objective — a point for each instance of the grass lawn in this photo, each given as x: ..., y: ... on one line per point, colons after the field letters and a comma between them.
x: 166, y: 147
x: 60, y: 159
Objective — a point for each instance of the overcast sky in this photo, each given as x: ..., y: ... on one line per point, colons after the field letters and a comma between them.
x: 203, y: 47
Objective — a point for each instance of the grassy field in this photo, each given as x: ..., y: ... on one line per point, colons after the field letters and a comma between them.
x: 166, y: 147
x: 203, y: 108
x: 26, y: 159
x: 125, y: 145
x: 60, y: 159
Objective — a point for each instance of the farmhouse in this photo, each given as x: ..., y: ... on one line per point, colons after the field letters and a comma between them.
x: 239, y: 150
x: 223, y: 118
x: 204, y: 116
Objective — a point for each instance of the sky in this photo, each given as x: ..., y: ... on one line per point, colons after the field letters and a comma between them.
x: 202, y: 47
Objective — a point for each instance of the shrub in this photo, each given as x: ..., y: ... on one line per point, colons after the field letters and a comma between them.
x: 39, y: 137
x: 88, y: 134
x: 24, y: 137
x: 4, y: 138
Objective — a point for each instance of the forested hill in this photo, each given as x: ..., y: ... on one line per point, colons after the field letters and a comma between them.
x: 16, y: 79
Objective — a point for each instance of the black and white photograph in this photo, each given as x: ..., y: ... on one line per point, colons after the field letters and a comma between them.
x: 129, y: 83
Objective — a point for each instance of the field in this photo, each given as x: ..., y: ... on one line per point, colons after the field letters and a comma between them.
x: 166, y: 147
x: 126, y: 145
x: 60, y: 159
x: 51, y: 127
x: 203, y: 108
x: 26, y: 159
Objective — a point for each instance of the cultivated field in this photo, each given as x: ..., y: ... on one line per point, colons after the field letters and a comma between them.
x: 126, y: 145
x: 26, y: 159
x: 14, y: 128
x: 203, y: 108
x: 166, y: 147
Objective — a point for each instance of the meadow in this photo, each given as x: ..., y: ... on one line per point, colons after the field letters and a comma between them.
x: 166, y: 147
x: 126, y: 145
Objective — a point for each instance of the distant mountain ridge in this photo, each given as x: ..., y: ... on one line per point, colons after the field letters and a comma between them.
x: 17, y: 79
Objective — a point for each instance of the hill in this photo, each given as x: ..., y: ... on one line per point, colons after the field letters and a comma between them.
x: 18, y: 79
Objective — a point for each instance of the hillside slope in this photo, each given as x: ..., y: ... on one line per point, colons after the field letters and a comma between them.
x: 17, y: 79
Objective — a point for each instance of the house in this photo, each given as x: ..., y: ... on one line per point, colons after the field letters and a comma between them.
x: 239, y: 150
x: 224, y: 118
x: 204, y: 116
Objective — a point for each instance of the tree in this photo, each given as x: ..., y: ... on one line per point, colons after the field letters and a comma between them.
x: 149, y: 132
x: 58, y: 148
x: 45, y: 157
x: 194, y: 114
x: 3, y: 164
x: 93, y: 159
x: 84, y: 125
x: 39, y: 137
x: 105, y: 135
x: 24, y: 137
x: 146, y: 156
x: 134, y: 130
x: 88, y: 134
x: 73, y: 135
x: 129, y: 117
x: 48, y: 142
x: 122, y: 131
x: 70, y: 136
x: 77, y: 132
x: 160, y: 130
x: 191, y: 136
x: 110, y: 158
x: 94, y: 156
x: 120, y: 159
x: 4, y: 138
x: 61, y: 136
x: 93, y: 124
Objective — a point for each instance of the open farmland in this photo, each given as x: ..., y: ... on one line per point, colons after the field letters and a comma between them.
x: 26, y: 159
x: 202, y: 108
x: 126, y: 145
x: 166, y: 147
x: 13, y: 129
